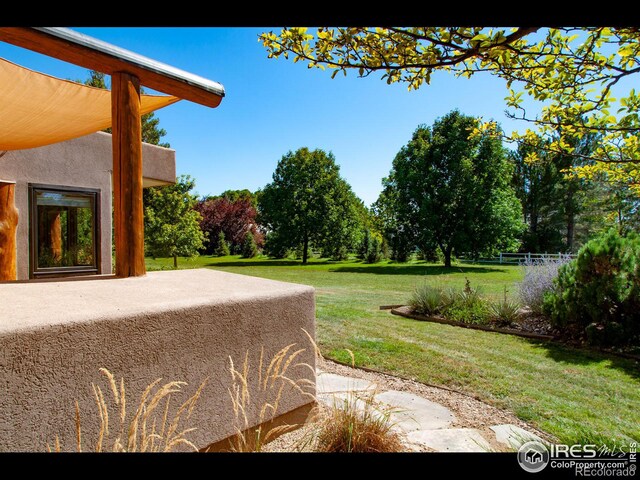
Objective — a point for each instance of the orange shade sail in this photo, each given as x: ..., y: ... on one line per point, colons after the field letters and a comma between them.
x: 38, y: 109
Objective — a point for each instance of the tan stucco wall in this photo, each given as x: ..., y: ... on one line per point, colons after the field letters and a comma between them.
x: 83, y: 162
x: 177, y: 325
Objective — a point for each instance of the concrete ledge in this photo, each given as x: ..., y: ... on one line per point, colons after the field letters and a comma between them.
x: 175, y: 325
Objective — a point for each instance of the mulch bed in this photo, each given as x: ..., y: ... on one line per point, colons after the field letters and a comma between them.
x: 525, y: 329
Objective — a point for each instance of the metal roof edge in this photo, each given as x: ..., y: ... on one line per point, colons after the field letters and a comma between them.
x: 133, y: 58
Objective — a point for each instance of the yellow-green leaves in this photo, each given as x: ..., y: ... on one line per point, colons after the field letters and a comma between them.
x: 576, y: 73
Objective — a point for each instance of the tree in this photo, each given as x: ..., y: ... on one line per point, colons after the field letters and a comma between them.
x: 151, y: 132
x: 370, y: 248
x: 563, y: 212
x: 538, y: 186
x: 454, y: 193
x: 395, y: 229
x: 244, y: 194
x: 249, y: 247
x: 308, y: 203
x: 171, y: 225
x: 233, y: 215
x: 222, y: 246
x: 575, y: 73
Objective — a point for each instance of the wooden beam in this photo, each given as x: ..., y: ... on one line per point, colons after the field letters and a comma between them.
x: 127, y: 175
x: 73, y: 47
x: 8, y: 227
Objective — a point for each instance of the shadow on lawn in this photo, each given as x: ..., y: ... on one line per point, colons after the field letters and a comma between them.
x: 567, y: 354
x: 262, y: 263
x: 399, y: 269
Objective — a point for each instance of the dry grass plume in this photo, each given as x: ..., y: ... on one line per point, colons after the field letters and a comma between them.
x: 149, y: 429
x: 264, y: 394
x: 356, y: 424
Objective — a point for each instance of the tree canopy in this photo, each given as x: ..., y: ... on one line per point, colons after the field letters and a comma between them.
x: 233, y: 214
x: 308, y: 202
x: 171, y: 224
x: 577, y: 74
x: 453, y: 193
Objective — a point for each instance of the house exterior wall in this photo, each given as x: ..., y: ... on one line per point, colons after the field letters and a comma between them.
x: 84, y: 162
x: 182, y: 325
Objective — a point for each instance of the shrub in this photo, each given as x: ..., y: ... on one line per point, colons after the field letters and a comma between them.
x: 599, y: 292
x: 468, y: 306
x: 222, y: 247
x: 539, y: 275
x: 505, y: 311
x: 249, y: 247
x: 275, y: 246
x: 430, y: 300
x: 357, y: 424
x: 374, y: 254
x: 400, y: 247
x: 370, y: 249
x: 339, y: 254
x: 476, y: 312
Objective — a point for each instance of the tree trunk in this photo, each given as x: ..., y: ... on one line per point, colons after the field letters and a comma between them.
x: 175, y: 262
x: 447, y: 256
x: 571, y: 218
x: 8, y: 226
x: 305, y: 248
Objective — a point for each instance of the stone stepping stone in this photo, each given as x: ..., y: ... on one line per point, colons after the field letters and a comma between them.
x: 514, y: 436
x: 451, y: 440
x: 331, y: 383
x: 408, y: 412
x: 339, y: 399
x: 411, y: 412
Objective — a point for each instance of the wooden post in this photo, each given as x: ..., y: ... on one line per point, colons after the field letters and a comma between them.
x: 127, y: 175
x: 8, y: 227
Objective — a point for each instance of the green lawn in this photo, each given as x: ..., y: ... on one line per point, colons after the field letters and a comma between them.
x: 575, y: 395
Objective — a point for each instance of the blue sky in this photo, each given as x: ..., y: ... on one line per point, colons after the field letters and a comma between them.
x: 273, y: 106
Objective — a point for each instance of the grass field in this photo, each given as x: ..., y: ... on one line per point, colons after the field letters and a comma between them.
x: 576, y: 395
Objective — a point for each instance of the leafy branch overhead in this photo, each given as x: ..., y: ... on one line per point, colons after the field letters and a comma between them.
x: 573, y: 72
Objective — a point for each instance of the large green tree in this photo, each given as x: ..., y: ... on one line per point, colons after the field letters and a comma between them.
x: 151, y: 131
x: 563, y: 212
x: 539, y: 187
x: 171, y: 224
x: 308, y: 203
x: 577, y: 74
x: 454, y: 193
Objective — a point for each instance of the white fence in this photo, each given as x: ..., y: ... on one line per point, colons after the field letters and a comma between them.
x: 520, y: 258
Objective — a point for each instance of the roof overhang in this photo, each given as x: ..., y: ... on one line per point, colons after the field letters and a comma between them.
x: 74, y: 47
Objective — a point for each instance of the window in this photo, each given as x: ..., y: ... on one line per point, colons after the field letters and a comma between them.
x: 65, y: 233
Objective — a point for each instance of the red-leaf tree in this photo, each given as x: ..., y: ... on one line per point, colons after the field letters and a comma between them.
x: 233, y: 217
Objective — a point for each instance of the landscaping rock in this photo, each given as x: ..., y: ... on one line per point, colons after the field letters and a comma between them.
x: 514, y: 436
x: 411, y: 412
x: 451, y: 440
x: 330, y: 383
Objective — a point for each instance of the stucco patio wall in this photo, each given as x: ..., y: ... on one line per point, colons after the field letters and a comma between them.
x: 84, y: 162
x: 175, y: 325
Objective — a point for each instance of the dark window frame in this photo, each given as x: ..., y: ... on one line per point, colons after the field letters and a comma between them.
x: 48, y: 272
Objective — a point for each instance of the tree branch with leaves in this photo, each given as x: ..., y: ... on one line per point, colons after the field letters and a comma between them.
x: 573, y: 72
